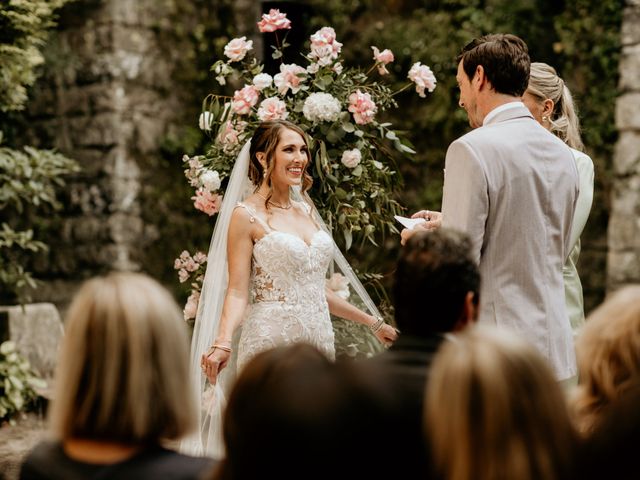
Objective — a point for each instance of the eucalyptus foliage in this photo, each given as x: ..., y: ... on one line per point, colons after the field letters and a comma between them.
x: 19, y: 385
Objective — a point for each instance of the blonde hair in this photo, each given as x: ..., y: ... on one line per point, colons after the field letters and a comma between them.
x: 544, y: 83
x: 123, y: 368
x: 494, y: 411
x: 608, y: 351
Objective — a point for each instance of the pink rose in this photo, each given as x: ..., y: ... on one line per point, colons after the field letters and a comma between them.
x: 423, y: 77
x: 362, y: 107
x: 324, y: 36
x: 273, y: 21
x: 324, y: 46
x: 191, y: 307
x: 200, y: 257
x: 227, y: 134
x: 244, y: 99
x: 382, y: 58
x: 206, y: 201
x: 288, y: 78
x: 183, y: 275
x: 272, y: 108
x: 191, y: 265
x: 237, y: 48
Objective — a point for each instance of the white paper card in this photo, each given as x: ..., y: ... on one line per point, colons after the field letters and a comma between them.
x: 409, y: 222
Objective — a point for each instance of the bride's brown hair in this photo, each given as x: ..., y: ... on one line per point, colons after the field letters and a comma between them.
x: 265, y: 139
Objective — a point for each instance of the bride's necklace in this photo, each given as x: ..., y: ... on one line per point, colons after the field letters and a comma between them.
x: 274, y: 204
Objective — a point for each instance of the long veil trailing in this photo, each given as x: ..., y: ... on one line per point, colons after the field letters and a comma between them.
x: 213, y: 399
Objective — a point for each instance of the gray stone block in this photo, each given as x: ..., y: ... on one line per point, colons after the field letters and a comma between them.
x: 630, y: 68
x: 37, y: 331
x: 624, y: 232
x: 630, y: 33
x: 628, y: 111
x: 624, y: 267
x: 626, y: 159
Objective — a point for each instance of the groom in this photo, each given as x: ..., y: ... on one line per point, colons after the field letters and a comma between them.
x: 512, y: 187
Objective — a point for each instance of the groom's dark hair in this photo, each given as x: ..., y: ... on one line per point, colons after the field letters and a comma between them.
x: 505, y: 59
x: 434, y: 274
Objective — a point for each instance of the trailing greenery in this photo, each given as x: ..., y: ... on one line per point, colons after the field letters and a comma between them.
x: 29, y: 177
x: 24, y: 28
x: 18, y: 383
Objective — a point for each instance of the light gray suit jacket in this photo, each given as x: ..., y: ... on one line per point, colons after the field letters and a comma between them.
x: 512, y: 186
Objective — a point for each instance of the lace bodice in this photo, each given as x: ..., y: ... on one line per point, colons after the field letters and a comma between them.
x: 287, y: 290
x: 286, y: 269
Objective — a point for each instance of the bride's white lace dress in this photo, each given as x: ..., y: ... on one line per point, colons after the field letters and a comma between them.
x: 288, y: 305
x: 287, y: 290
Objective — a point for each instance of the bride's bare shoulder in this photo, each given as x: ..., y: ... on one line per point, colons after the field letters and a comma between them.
x: 245, y: 213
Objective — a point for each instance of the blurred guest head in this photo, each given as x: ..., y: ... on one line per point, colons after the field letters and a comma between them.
x: 295, y: 414
x: 610, y: 451
x: 608, y: 352
x: 123, y: 370
x: 494, y: 410
x: 437, y: 283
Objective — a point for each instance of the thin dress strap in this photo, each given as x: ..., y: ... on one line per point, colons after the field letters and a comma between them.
x: 253, y: 216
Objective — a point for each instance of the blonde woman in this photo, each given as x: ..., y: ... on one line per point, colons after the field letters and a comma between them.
x: 495, y: 411
x: 121, y: 387
x: 551, y: 104
x: 608, y: 353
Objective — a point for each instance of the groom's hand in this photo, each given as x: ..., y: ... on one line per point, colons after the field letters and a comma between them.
x: 433, y: 220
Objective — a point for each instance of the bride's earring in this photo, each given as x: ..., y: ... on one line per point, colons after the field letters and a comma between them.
x: 545, y: 119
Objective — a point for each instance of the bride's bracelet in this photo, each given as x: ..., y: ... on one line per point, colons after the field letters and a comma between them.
x: 375, y: 327
x: 220, y: 345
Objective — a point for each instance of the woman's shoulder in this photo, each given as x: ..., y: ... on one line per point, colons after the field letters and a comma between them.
x: 580, y: 156
x: 48, y: 460
x: 163, y: 463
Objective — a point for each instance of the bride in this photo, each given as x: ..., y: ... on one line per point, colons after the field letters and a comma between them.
x: 278, y: 253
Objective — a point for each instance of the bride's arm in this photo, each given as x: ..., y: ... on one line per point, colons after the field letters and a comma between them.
x: 239, y: 251
x: 343, y: 309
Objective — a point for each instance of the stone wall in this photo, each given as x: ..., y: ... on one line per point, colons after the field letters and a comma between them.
x: 108, y: 99
x: 624, y: 224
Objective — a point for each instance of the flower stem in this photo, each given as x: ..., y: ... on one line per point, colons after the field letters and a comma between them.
x: 401, y: 90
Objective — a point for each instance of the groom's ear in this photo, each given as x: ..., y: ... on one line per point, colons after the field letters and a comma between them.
x: 479, y: 80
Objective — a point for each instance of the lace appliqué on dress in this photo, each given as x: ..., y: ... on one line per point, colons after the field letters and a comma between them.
x: 287, y: 291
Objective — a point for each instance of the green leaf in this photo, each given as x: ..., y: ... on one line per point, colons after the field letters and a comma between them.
x: 348, y: 127
x: 348, y: 238
x: 391, y: 135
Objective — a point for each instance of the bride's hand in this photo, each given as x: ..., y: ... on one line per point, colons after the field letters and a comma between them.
x: 213, y: 362
x: 387, y: 334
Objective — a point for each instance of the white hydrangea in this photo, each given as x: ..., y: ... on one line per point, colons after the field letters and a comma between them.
x: 321, y: 107
x: 262, y: 81
x: 210, y: 179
